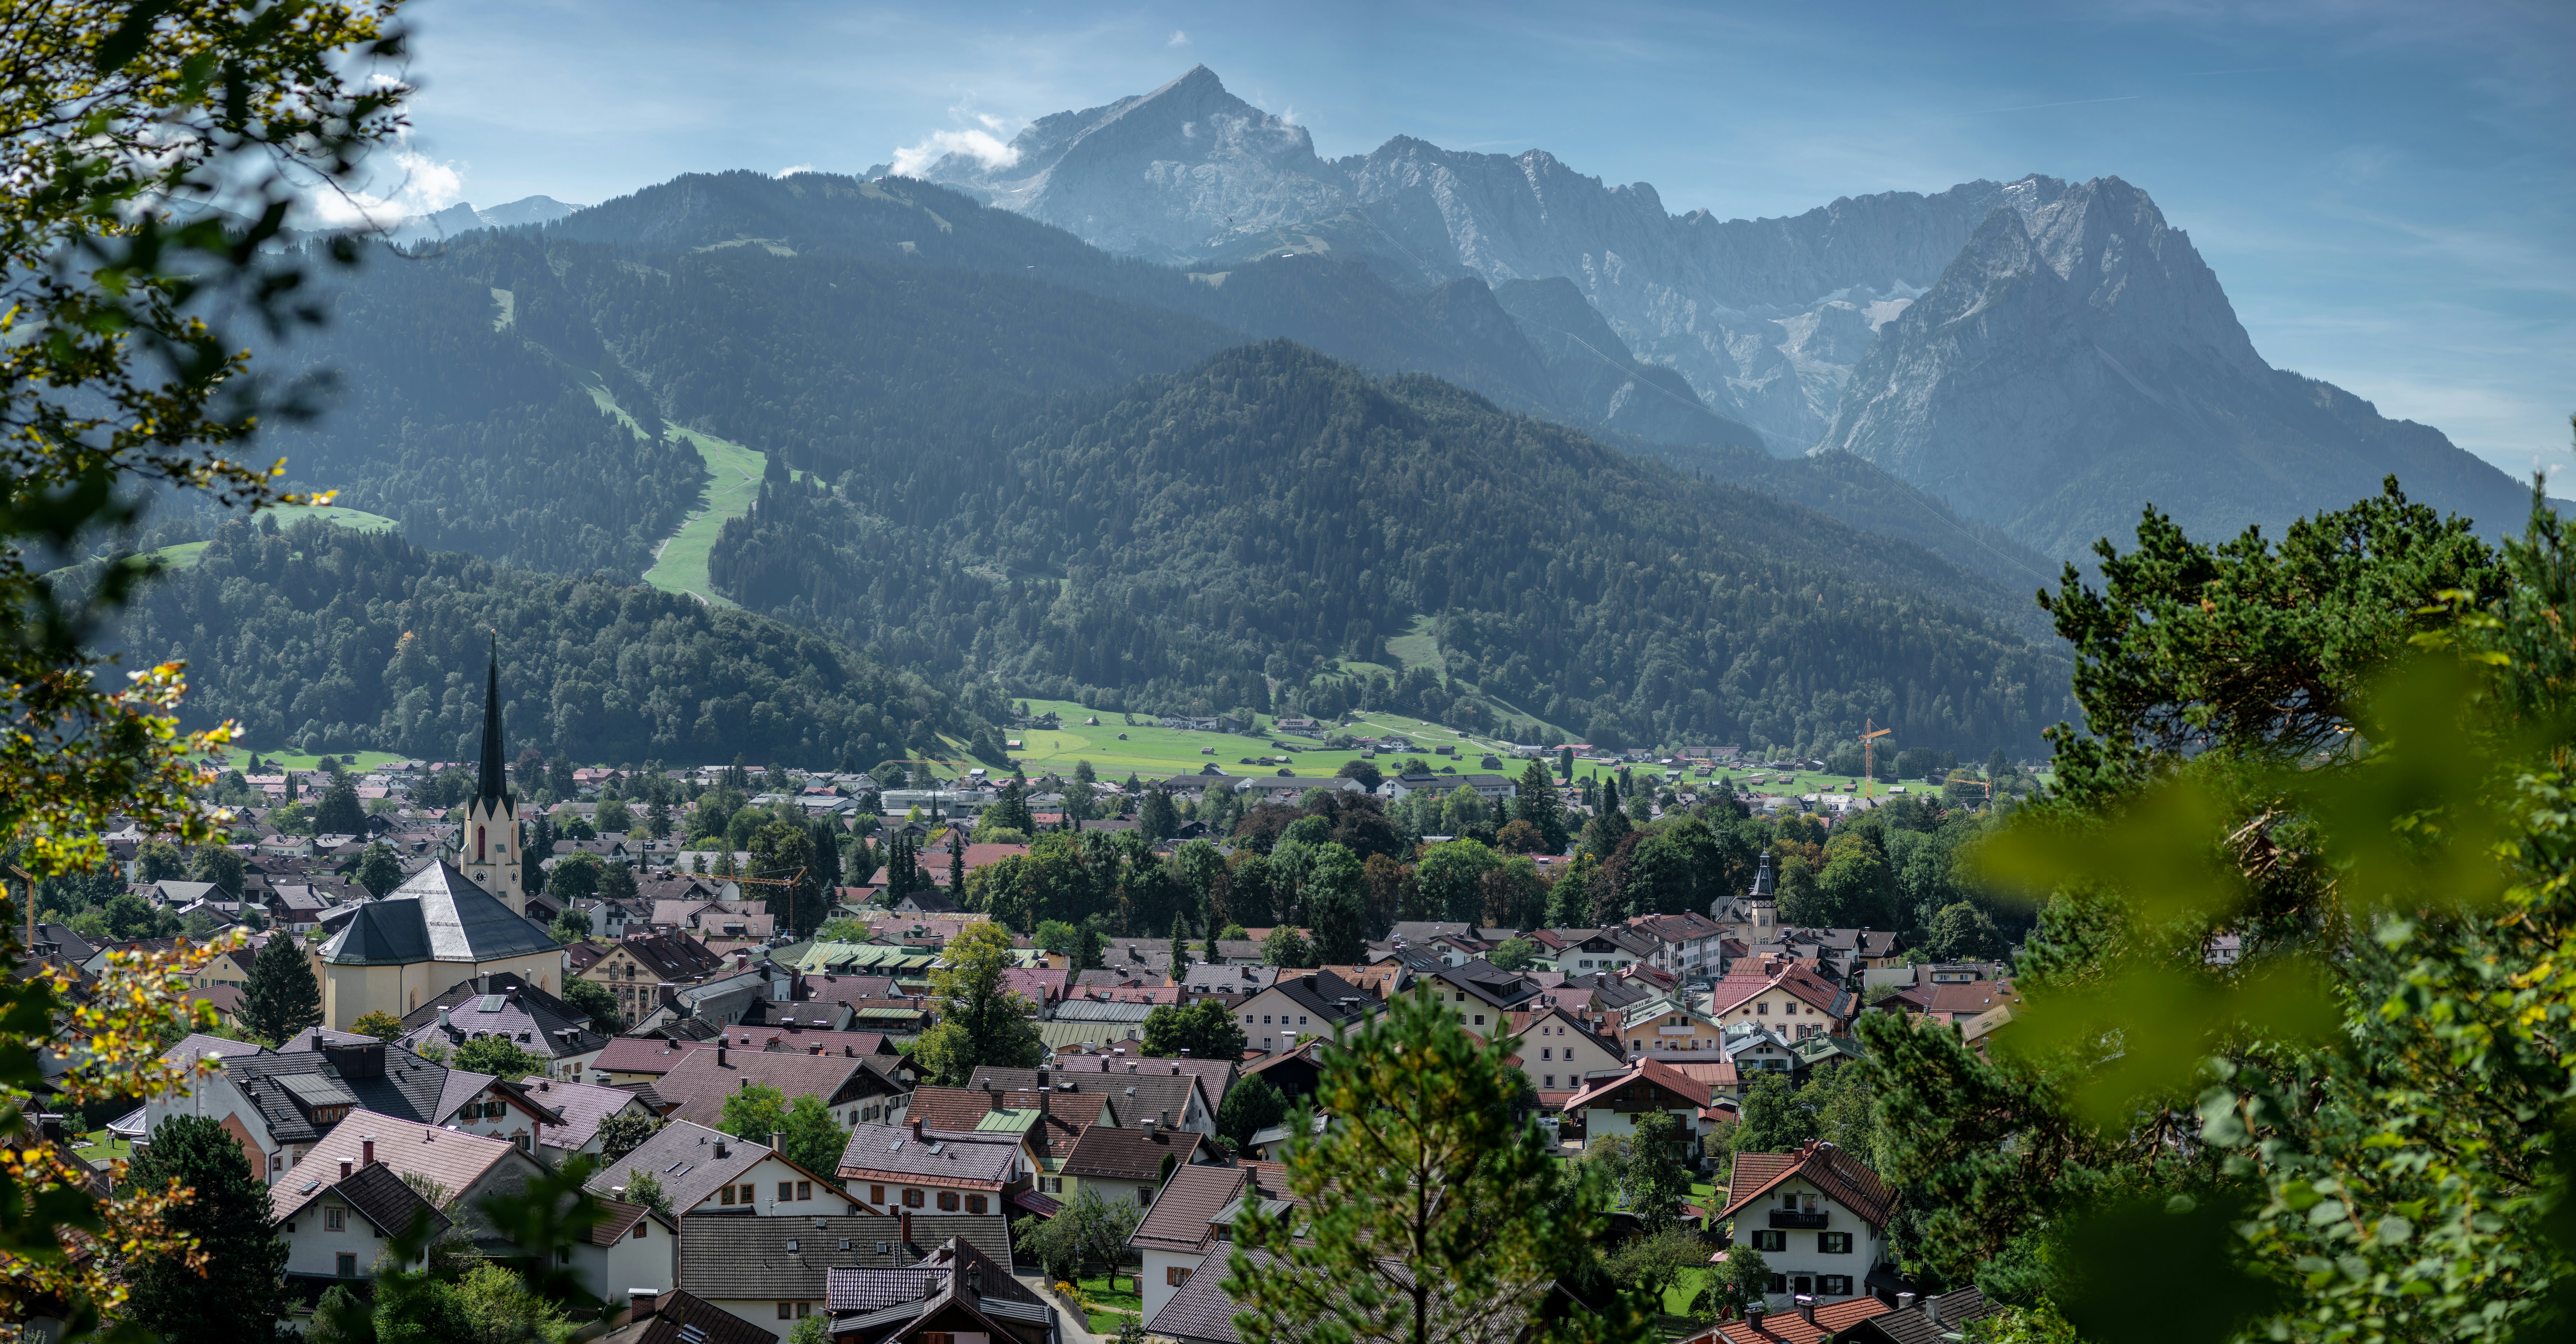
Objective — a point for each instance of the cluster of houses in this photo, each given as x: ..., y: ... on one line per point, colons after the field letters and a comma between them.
x: 906, y: 1234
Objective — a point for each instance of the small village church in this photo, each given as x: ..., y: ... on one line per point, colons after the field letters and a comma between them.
x: 459, y: 917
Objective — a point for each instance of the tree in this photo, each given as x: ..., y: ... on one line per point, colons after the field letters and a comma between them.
x: 1250, y: 1107
x: 1010, y: 811
x: 1336, y: 895
x: 1423, y: 1107
x: 1451, y: 877
x: 1652, y: 1260
x: 1962, y: 932
x: 500, y: 1308
x: 339, y: 812
x: 1286, y: 947
x: 1363, y: 770
x: 980, y: 1020
x: 498, y: 1056
x: 1514, y: 954
x: 571, y: 926
x: 236, y: 1293
x: 380, y: 1024
x: 1155, y: 817
x: 754, y: 1113
x: 616, y: 882
x: 596, y: 1002
x: 1740, y: 1282
x: 1088, y: 1229
x: 379, y: 869
x: 130, y: 916
x: 1772, y: 1120
x: 623, y: 1133
x: 219, y: 865
x: 1657, y: 1184
x: 575, y: 877
x: 158, y: 861
x: 1202, y: 1030
x: 1180, y: 947
x: 280, y: 996
x: 1535, y: 802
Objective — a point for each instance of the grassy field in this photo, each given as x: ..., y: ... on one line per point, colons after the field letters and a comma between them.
x: 102, y: 1147
x: 1150, y: 752
x: 239, y: 759
x: 185, y: 553
x: 681, y: 564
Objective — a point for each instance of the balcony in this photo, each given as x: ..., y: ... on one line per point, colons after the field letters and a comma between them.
x: 1797, y: 1218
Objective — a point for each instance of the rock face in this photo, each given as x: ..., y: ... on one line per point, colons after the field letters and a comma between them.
x: 2081, y: 361
x: 462, y: 218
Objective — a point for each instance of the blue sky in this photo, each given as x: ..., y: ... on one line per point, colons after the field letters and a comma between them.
x: 2384, y: 188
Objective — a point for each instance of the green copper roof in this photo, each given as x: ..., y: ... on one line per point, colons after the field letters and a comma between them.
x: 1007, y: 1122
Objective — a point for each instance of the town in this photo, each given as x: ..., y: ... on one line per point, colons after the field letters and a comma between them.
x: 749, y: 997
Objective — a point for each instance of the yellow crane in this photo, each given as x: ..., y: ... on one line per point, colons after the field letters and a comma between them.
x: 1870, y: 734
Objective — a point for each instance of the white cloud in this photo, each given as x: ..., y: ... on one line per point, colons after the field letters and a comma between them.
x: 793, y: 169
x: 423, y: 186
x: 982, y: 146
x: 992, y: 123
x: 1179, y: 39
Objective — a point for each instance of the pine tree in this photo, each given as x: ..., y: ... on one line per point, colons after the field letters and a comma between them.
x: 1536, y: 803
x: 339, y: 812
x: 956, y: 866
x: 1180, y: 945
x: 236, y: 1295
x: 1155, y: 819
x: 281, y: 997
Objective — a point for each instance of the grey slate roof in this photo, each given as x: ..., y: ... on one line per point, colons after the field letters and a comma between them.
x: 890, y: 1151
x: 732, y: 1255
x: 1162, y: 1097
x: 681, y: 1318
x: 385, y: 1199
x: 409, y: 1088
x: 683, y: 1158
x: 437, y: 914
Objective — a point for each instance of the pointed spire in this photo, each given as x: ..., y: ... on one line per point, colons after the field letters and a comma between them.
x: 495, y: 783
x: 1762, y: 881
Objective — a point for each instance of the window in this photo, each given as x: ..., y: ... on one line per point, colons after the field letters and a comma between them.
x: 1834, y: 1243
x: 347, y: 1266
x: 876, y: 1194
x: 787, y: 1311
x: 1175, y: 1275
x: 1144, y: 1195
x: 335, y: 1220
x: 1764, y: 1240
x: 1547, y: 1052
x: 642, y: 1226
x: 804, y: 1309
x: 786, y: 1191
x: 1779, y: 1283
x: 1551, y: 1081
x: 1301, y: 1019
x: 725, y: 1196
x: 1833, y: 1285
x: 948, y: 1201
x: 974, y: 1203
x: 1762, y: 1008
x: 750, y: 1193
x: 1480, y: 1019
x: 912, y: 1199
x: 804, y: 1189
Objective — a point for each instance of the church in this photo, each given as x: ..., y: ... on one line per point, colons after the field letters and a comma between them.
x: 461, y: 916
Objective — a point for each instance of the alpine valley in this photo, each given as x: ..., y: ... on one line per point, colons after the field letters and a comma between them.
x: 1161, y: 411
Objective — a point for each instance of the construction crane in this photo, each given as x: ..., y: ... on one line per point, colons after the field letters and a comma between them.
x: 788, y: 882
x: 1870, y: 733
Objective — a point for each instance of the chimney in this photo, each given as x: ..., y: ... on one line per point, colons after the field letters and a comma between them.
x: 721, y: 1147
x: 1905, y: 1301
x: 721, y: 1056
x: 367, y: 1150
x: 1753, y: 1312
x: 639, y: 1303
x: 1932, y: 1311
x: 1806, y: 1308
x: 344, y: 1168
x: 916, y: 1134
x: 777, y: 1141
x: 903, y: 1228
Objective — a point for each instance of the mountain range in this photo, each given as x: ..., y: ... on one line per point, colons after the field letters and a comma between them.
x: 2045, y: 357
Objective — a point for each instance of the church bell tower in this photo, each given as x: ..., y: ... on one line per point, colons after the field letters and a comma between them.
x: 487, y: 848
x: 1762, y: 904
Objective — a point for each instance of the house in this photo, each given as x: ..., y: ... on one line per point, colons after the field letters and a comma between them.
x: 279, y: 1104
x: 433, y: 930
x: 1806, y: 1323
x: 1754, y: 1049
x: 1612, y: 949
x: 1303, y: 1006
x: 1123, y: 1162
x: 631, y: 1250
x: 338, y: 1227
x: 505, y: 1006
x: 1793, y: 1000
x: 1479, y: 992
x: 676, y: 1317
x: 1818, y: 1216
x: 1045, y: 1124
x: 1491, y: 788
x: 954, y: 1295
x: 1173, y: 1100
x: 1685, y: 944
x: 580, y: 1108
x: 1611, y: 1105
x: 847, y: 1084
x: 774, y: 1272
x: 636, y: 968
x: 702, y: 1170
x: 1556, y: 1044
x: 1216, y: 1076
x: 889, y: 1168
x: 1931, y: 1319
x: 1667, y: 1025
x: 1191, y: 1218
x: 325, y: 1241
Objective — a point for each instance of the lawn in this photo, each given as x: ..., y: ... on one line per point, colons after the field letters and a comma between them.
x: 102, y: 1147
x: 287, y: 515
x: 1152, y: 753
x: 680, y: 565
x: 238, y: 758
x: 1114, y: 1301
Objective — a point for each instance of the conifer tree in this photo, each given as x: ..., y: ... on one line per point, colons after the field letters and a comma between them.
x: 236, y: 1294
x: 1155, y: 819
x: 1180, y: 945
x: 280, y: 998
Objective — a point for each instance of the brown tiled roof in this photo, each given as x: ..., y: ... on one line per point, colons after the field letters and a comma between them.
x: 1832, y: 1170
x: 681, y: 1318
x: 1654, y: 1071
x: 1178, y: 1221
x: 890, y: 1152
x: 1129, y: 1153
x: 956, y: 1110
x: 621, y: 1220
x: 701, y: 1081
x: 1788, y: 1327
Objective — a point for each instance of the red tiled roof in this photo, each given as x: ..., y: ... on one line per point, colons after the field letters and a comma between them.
x: 1654, y: 1071
x: 1837, y: 1173
x: 1788, y: 1327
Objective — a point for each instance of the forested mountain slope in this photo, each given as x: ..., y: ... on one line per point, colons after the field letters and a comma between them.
x: 325, y: 639
x: 1195, y: 535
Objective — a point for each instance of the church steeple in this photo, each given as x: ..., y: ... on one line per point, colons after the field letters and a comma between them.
x: 487, y: 843
x: 496, y: 784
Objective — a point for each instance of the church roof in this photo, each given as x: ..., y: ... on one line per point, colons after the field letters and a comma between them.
x: 437, y: 914
x: 492, y: 779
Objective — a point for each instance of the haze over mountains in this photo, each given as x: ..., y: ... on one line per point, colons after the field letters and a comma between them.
x: 2052, y: 410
